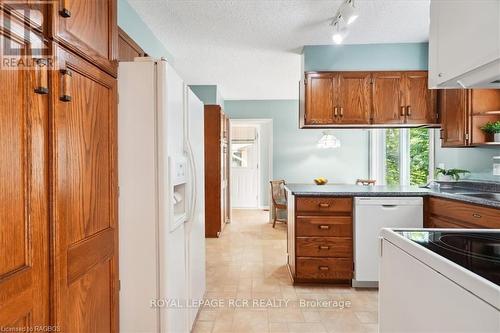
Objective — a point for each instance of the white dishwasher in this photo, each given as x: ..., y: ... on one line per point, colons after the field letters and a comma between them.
x: 372, y: 214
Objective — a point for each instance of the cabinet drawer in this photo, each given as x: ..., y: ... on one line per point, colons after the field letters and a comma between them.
x: 467, y: 214
x: 337, y: 247
x: 332, y: 226
x: 324, y: 269
x: 316, y: 205
x: 439, y: 222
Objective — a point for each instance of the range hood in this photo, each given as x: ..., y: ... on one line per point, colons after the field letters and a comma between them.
x: 486, y: 76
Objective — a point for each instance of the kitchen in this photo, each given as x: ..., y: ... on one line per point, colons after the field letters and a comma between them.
x: 378, y: 120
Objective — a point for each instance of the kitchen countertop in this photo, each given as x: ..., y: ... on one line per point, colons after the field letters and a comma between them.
x: 387, y: 191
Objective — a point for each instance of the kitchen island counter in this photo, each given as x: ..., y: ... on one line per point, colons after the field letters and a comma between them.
x: 311, y: 190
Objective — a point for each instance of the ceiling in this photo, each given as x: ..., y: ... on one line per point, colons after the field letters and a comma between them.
x: 251, y: 48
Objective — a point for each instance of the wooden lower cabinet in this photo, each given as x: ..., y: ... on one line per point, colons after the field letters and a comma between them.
x: 84, y: 196
x: 320, y: 242
x: 24, y: 223
x: 444, y: 213
x: 324, y: 269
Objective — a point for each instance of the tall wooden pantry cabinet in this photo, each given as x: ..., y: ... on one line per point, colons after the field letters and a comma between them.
x: 58, y: 175
x: 217, y: 167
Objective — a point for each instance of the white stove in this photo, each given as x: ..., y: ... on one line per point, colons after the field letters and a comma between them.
x: 439, y: 280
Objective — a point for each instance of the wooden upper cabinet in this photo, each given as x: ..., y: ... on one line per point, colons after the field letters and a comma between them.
x: 464, y: 112
x: 362, y: 99
x: 388, y: 103
x: 320, y: 98
x: 454, y: 110
x: 128, y: 49
x: 88, y: 28
x: 32, y: 13
x: 420, y: 100
x: 24, y: 226
x: 353, y: 98
x: 84, y: 196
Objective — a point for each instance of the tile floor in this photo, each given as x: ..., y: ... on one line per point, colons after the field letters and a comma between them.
x: 248, y: 264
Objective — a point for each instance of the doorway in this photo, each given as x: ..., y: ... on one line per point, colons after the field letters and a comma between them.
x: 251, y: 162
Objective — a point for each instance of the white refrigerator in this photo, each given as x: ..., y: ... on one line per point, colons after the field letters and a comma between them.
x: 161, y: 199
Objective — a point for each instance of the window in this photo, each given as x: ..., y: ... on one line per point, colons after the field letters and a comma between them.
x: 401, y: 156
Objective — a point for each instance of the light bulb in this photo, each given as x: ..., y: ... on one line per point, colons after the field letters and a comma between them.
x: 339, y: 30
x: 349, y: 12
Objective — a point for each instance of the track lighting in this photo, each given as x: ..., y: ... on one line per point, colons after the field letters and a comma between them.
x: 339, y: 30
x: 349, y: 12
x: 346, y: 15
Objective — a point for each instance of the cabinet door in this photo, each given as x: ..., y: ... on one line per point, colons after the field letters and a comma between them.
x: 453, y: 106
x: 33, y: 13
x: 84, y: 196
x: 320, y: 98
x: 88, y: 28
x: 388, y: 103
x: 420, y: 100
x: 24, y: 239
x: 354, y: 98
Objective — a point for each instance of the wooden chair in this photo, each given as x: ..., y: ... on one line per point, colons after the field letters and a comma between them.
x: 365, y: 182
x: 278, y: 195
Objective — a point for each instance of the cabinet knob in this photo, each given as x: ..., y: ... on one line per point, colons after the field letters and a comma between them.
x: 440, y: 75
x: 324, y: 247
x: 476, y: 215
x: 324, y: 227
x: 402, y: 111
x: 65, y: 12
x: 324, y: 205
x: 341, y: 111
x: 335, y: 111
x: 323, y: 268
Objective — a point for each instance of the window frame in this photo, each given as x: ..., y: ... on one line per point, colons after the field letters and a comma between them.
x: 377, y: 165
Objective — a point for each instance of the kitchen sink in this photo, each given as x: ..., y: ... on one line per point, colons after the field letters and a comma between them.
x: 482, y: 195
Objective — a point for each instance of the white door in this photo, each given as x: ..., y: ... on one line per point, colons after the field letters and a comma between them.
x: 244, y: 167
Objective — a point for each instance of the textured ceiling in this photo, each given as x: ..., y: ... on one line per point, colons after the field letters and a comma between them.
x: 250, y: 48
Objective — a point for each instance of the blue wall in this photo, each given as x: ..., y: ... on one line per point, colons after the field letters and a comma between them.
x: 296, y: 157
x: 134, y: 26
x: 408, y: 56
x: 206, y: 93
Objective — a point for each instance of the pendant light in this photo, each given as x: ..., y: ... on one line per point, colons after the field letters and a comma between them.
x: 328, y: 140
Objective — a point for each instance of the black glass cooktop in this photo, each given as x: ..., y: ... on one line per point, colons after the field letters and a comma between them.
x: 478, y: 252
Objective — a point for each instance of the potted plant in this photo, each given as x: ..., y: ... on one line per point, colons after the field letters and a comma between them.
x: 492, y: 128
x: 450, y: 174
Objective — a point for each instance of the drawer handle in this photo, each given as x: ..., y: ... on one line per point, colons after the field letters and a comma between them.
x: 324, y: 227
x: 476, y: 215
x: 42, y: 84
x: 323, y: 268
x: 66, y: 85
x: 324, y: 205
x: 324, y: 247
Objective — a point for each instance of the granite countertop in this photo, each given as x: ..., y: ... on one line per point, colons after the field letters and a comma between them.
x: 388, y: 191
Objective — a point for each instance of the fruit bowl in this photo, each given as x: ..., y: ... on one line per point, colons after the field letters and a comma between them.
x: 321, y: 181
